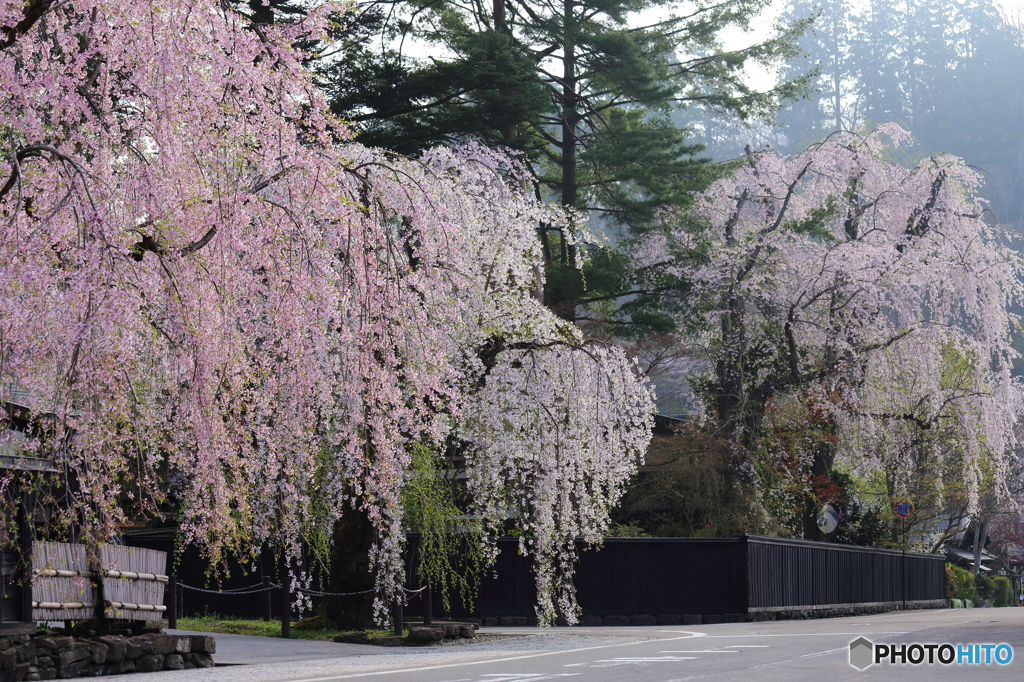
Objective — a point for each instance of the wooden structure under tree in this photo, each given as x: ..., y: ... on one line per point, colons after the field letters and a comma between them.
x: 48, y: 581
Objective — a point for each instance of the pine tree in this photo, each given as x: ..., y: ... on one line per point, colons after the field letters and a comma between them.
x: 600, y: 133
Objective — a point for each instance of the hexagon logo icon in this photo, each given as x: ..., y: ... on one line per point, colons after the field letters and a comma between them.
x: 862, y: 653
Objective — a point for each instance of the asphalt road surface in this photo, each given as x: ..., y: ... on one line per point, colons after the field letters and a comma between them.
x: 782, y: 651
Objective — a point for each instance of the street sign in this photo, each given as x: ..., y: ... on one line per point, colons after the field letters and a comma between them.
x: 904, y: 509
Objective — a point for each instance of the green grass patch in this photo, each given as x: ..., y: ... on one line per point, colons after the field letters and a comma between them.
x: 237, y: 626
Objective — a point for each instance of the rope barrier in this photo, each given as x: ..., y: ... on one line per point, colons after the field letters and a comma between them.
x: 316, y: 593
x: 229, y: 592
x: 250, y: 590
x: 250, y: 587
x: 408, y: 591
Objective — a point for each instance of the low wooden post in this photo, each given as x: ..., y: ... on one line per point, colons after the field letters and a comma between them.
x: 396, y: 615
x: 98, y: 595
x: 267, y: 599
x: 172, y: 602
x: 26, y: 535
x: 286, y: 607
x: 428, y: 606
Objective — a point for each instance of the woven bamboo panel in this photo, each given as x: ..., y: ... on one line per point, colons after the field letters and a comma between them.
x: 138, y: 593
x: 52, y: 592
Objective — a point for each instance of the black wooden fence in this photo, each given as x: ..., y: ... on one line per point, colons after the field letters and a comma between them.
x: 785, y: 573
x: 191, y: 569
x: 639, y: 576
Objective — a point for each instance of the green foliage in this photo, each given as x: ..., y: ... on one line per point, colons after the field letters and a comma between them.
x: 686, y: 488
x: 950, y: 582
x: 585, y: 95
x: 619, y: 530
x: 984, y: 586
x: 816, y: 224
x: 392, y: 101
x: 214, y: 622
x: 965, y: 587
x: 1003, y: 594
x: 861, y: 525
x: 450, y: 552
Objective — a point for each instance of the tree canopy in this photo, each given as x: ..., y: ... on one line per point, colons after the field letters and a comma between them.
x: 585, y: 89
x: 942, y: 70
x: 852, y: 309
x: 225, y: 311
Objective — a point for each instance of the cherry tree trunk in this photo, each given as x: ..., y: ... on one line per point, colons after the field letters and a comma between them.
x: 824, y: 458
x: 353, y: 537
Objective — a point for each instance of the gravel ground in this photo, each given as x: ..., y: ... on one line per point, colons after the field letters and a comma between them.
x: 380, y: 659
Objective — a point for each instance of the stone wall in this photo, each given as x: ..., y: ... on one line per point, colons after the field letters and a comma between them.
x: 42, y: 657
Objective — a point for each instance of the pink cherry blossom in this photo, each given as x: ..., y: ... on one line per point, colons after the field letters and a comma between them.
x: 237, y: 315
x: 850, y: 273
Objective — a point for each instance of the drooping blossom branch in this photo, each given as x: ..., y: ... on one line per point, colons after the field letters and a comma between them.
x: 239, y: 321
x: 840, y: 279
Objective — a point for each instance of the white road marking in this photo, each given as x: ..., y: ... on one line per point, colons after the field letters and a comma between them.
x: 524, y: 677
x: 701, y: 651
x: 326, y: 678
x: 611, y: 662
x: 748, y: 646
x: 646, y: 658
x: 797, y: 658
x: 810, y: 634
x: 763, y: 665
x: 822, y: 653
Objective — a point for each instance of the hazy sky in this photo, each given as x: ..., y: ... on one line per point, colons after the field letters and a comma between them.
x: 763, y: 78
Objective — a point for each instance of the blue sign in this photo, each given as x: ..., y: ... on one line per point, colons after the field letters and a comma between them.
x: 904, y: 509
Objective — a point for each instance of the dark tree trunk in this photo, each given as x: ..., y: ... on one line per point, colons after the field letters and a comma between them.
x: 353, y: 539
x: 824, y: 458
x: 980, y: 535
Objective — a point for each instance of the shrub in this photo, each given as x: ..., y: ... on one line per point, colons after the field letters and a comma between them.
x: 950, y: 582
x: 984, y: 586
x: 955, y: 603
x: 965, y: 588
x: 1003, y: 592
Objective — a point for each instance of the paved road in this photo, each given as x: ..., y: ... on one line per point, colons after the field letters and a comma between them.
x: 785, y: 651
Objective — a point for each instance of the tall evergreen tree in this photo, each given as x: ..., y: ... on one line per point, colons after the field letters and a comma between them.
x: 585, y: 91
x: 828, y: 48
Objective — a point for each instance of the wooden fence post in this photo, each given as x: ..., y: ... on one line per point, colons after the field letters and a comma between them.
x: 267, y: 599
x: 172, y: 602
x: 286, y: 607
x: 397, y: 618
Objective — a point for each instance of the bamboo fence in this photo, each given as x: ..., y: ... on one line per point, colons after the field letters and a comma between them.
x: 134, y: 580
x: 61, y: 582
